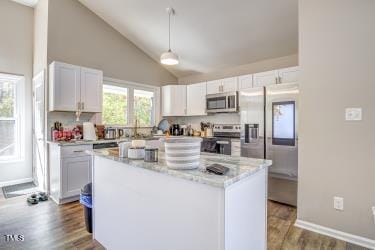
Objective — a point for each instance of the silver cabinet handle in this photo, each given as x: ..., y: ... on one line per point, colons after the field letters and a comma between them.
x: 78, y: 106
x: 77, y: 151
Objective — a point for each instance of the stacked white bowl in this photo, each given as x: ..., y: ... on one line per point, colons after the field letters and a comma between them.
x: 182, y: 153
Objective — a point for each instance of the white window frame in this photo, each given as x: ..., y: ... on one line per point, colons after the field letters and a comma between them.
x: 130, y: 107
x: 19, y: 113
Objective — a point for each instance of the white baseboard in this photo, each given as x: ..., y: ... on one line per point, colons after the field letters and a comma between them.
x: 19, y: 181
x: 357, y: 240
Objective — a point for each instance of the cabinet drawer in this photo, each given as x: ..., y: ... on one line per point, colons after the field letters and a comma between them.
x: 74, y: 151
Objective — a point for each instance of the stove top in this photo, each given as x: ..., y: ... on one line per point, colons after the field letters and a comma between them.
x: 227, y: 130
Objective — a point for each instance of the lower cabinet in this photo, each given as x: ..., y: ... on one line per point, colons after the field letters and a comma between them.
x: 76, y: 173
x: 70, y: 170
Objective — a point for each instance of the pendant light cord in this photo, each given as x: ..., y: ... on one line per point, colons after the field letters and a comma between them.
x: 169, y: 35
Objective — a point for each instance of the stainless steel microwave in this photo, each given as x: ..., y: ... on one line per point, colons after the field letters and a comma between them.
x: 222, y: 103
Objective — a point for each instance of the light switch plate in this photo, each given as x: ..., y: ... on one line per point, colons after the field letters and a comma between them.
x: 353, y: 114
x: 338, y: 203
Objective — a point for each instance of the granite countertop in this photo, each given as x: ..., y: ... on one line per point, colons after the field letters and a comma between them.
x: 239, y: 167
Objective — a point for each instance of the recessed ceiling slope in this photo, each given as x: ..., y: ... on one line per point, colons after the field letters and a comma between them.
x: 207, y: 35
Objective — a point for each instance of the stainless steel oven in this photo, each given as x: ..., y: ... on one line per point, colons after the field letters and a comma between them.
x: 222, y: 103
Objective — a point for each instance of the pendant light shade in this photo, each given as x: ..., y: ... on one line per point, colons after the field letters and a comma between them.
x: 169, y: 58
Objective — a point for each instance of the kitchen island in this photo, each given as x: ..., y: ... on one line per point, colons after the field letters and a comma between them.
x: 144, y: 206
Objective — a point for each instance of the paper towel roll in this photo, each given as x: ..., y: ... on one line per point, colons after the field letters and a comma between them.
x: 89, y: 131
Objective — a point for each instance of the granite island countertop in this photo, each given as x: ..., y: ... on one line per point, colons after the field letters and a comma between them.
x: 239, y: 167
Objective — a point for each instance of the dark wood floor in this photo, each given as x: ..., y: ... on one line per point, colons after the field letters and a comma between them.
x: 49, y: 226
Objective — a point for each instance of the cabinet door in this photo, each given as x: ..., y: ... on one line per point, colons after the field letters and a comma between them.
x: 196, y: 99
x: 230, y: 84
x: 265, y: 78
x: 174, y: 100
x: 76, y: 172
x: 289, y: 75
x: 214, y: 87
x: 91, y: 90
x: 64, y: 87
x: 245, y: 82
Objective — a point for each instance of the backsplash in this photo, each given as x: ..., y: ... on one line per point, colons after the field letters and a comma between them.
x: 68, y: 120
x: 220, y: 118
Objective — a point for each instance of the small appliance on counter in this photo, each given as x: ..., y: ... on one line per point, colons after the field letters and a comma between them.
x: 184, y: 130
x: 175, y: 130
x: 109, y: 133
x: 89, y: 133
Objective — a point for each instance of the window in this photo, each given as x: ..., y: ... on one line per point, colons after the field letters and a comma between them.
x: 115, y: 105
x: 124, y: 103
x: 143, y: 107
x: 10, y: 142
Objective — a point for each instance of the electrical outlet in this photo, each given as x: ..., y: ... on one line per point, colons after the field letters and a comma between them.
x: 353, y: 114
x: 373, y: 213
x: 338, y: 203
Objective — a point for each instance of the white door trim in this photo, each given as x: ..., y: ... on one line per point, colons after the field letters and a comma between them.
x: 355, y: 239
x: 41, y: 75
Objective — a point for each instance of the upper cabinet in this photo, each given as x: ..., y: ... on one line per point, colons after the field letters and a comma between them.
x: 174, y: 100
x: 222, y: 85
x: 91, y: 90
x: 196, y: 99
x: 73, y: 88
x: 265, y: 78
x: 288, y: 75
x: 214, y: 87
x: 245, y: 82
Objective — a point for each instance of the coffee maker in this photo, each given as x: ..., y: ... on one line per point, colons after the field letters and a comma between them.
x: 175, y: 130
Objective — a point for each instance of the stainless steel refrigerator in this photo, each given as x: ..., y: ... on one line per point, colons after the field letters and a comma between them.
x: 269, y: 130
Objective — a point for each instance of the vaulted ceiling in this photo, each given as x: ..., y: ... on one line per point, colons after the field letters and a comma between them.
x: 206, y: 34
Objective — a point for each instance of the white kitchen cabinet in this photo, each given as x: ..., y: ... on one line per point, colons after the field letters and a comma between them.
x: 70, y: 170
x: 289, y: 75
x: 214, y: 87
x: 265, y: 78
x: 64, y: 87
x: 73, y: 88
x: 245, y: 82
x: 229, y: 84
x: 174, y: 100
x: 91, y: 90
x: 235, y: 147
x: 196, y: 99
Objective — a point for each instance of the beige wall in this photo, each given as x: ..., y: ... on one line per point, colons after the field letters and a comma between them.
x: 336, y: 157
x: 78, y: 36
x: 270, y: 64
x: 40, y: 36
x: 16, y: 57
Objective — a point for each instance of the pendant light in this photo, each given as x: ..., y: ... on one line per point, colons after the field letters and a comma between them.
x: 169, y: 58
